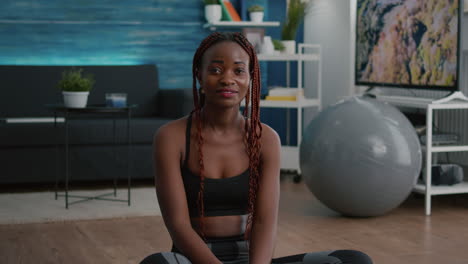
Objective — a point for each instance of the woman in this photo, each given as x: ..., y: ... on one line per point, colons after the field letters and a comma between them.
x: 217, y: 170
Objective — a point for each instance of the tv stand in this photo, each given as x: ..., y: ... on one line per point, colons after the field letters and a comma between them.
x: 369, y: 89
x: 456, y: 100
x: 452, y: 97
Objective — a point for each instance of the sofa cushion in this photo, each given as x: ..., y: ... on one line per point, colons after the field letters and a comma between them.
x: 100, y: 131
x: 174, y: 103
x: 87, y: 163
x: 22, y: 135
x: 81, y: 132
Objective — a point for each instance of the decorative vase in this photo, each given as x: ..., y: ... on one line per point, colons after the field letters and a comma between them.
x: 267, y: 46
x: 289, y: 46
x: 213, y: 13
x: 75, y: 99
x: 256, y: 17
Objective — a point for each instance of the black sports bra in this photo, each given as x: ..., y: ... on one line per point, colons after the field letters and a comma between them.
x: 227, y: 196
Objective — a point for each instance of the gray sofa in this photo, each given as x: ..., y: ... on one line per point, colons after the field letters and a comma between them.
x: 28, y: 152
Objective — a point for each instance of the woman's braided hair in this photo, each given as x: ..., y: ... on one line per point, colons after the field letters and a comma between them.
x: 253, y: 127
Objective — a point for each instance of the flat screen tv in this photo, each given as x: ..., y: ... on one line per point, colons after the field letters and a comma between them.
x: 408, y: 43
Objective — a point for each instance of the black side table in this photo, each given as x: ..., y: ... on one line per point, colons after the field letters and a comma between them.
x: 93, y: 110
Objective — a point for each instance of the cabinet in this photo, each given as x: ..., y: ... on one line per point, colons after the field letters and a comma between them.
x: 290, y: 154
x: 455, y: 101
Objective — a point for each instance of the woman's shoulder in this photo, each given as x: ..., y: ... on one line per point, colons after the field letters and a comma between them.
x: 172, y: 129
x: 270, y: 139
x: 269, y: 135
x: 270, y: 152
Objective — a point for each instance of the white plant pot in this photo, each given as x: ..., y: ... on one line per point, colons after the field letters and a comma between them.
x: 256, y: 17
x: 267, y: 46
x: 75, y: 99
x: 289, y: 46
x: 213, y: 13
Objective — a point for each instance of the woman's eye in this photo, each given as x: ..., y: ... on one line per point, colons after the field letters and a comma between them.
x: 215, y: 70
x: 240, y: 70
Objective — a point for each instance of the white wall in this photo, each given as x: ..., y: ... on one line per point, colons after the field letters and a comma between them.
x: 464, y: 25
x: 327, y: 24
x: 464, y: 31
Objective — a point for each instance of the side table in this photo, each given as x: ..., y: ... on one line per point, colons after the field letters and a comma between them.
x: 93, y: 110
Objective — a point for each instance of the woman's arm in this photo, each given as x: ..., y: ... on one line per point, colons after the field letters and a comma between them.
x: 167, y: 149
x: 264, y: 226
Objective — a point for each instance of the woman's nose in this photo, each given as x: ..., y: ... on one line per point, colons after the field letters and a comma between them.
x: 227, y: 78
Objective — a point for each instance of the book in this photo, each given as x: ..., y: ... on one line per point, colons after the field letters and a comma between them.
x: 232, y: 11
x: 280, y: 98
x: 243, y: 10
x: 226, y: 16
x: 279, y: 91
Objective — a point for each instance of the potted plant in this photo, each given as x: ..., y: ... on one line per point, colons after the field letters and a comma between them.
x: 278, y: 45
x: 212, y: 11
x: 296, y: 12
x: 256, y: 13
x: 75, y: 87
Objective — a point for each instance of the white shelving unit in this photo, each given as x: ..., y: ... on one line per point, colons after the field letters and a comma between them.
x: 241, y: 24
x: 290, y: 154
x: 455, y: 101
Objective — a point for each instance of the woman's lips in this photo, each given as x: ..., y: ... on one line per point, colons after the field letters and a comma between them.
x: 227, y: 92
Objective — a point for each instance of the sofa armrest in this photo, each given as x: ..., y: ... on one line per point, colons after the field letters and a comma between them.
x: 174, y: 103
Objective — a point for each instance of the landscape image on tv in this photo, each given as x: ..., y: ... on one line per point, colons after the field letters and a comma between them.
x: 407, y: 43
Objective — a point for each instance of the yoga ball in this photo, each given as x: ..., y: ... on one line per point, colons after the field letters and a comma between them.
x: 360, y: 157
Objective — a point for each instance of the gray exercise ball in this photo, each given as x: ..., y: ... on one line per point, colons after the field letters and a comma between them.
x: 360, y: 157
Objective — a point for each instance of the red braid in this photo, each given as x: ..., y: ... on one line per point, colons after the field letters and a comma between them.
x: 253, y: 127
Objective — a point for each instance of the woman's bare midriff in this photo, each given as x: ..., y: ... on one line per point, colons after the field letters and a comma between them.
x: 221, y: 226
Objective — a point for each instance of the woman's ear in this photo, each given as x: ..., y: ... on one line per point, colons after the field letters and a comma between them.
x: 199, y: 79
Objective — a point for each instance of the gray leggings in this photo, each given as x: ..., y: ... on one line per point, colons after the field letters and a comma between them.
x: 235, y: 251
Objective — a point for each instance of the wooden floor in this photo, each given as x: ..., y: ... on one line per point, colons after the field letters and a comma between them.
x: 404, y: 235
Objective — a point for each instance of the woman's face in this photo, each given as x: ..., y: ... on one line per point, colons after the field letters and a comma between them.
x: 225, y: 74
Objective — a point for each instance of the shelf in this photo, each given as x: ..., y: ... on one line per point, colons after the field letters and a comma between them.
x: 27, y: 120
x: 447, y: 148
x: 406, y: 101
x: 290, y: 154
x: 305, y: 102
x: 439, y: 190
x: 290, y: 104
x: 289, y: 157
x: 240, y: 24
x: 288, y: 57
x: 455, y: 101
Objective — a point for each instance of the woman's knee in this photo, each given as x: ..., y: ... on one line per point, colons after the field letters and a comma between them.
x: 165, y: 258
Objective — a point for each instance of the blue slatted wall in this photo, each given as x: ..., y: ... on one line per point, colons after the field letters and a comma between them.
x: 104, y: 32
